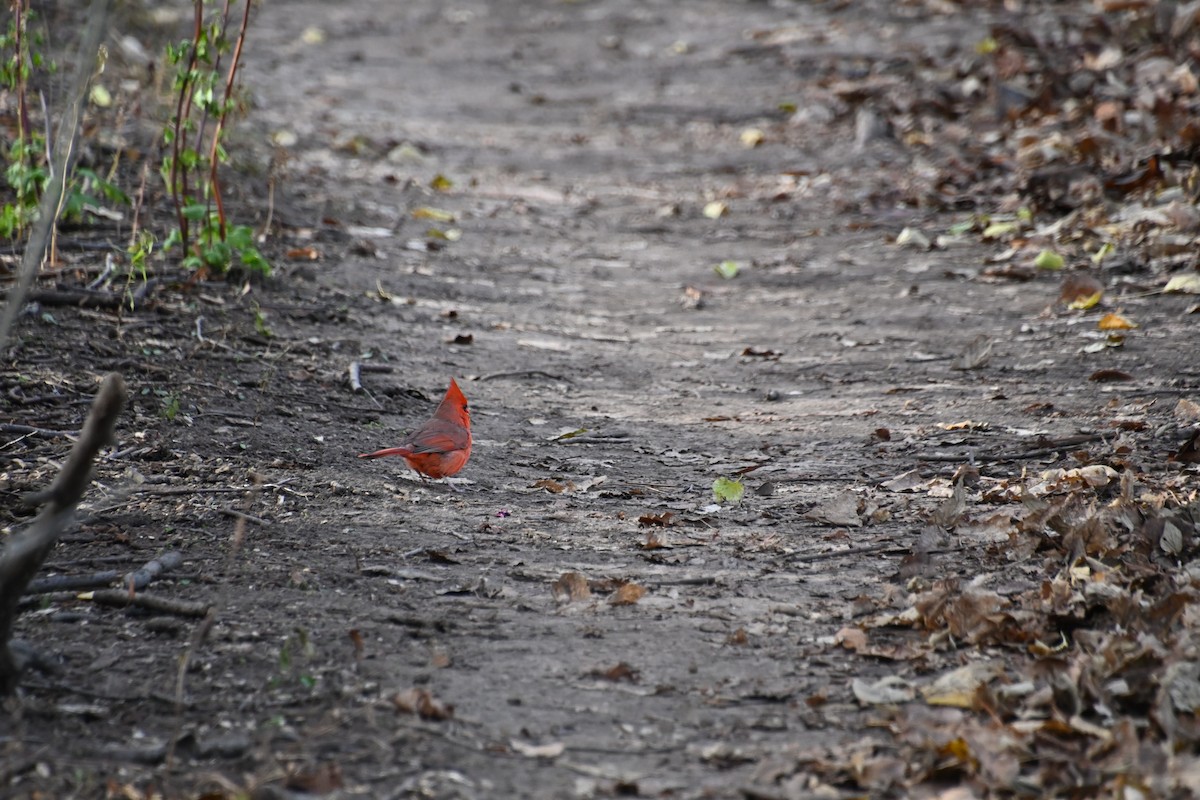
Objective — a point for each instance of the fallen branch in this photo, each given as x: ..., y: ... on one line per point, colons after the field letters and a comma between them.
x: 143, y: 577
x: 27, y: 550
x: 122, y: 597
x: 29, y: 430
x: 72, y: 583
x: 888, y: 547
x: 233, y: 512
x: 524, y: 373
x: 138, y: 578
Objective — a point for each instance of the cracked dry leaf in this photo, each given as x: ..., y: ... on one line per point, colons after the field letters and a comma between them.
x: 952, y: 508
x: 1062, y: 480
x: 1186, y: 410
x: 656, y: 520
x: 976, y: 354
x: 1189, y: 452
x: 856, y: 640
x: 974, y: 615
x: 842, y: 510
x: 911, y: 481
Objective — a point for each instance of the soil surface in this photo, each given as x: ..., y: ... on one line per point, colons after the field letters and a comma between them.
x: 573, y: 615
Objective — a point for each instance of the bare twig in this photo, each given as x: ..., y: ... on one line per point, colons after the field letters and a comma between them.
x: 29, y: 430
x: 26, y: 551
x: 68, y: 129
x: 200, y: 635
x: 242, y: 515
x: 524, y: 373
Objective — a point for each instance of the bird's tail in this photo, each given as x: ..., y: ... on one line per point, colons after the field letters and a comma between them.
x: 390, y: 451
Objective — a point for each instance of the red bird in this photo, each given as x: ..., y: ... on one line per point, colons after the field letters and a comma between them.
x: 442, y: 445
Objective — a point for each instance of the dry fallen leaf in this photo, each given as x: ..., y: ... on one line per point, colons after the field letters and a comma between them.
x: 965, y: 425
x: 960, y: 687
x: 1187, y: 410
x: 751, y: 137
x: 653, y: 541
x: 841, y: 510
x: 1188, y: 282
x: 1189, y: 453
x: 1107, y: 375
x: 304, y: 254
x: 551, y: 750
x: 570, y: 587
x: 976, y: 353
x: 889, y: 690
x: 422, y: 703
x: 1079, y: 287
x: 617, y: 672
x: 627, y: 595
x: 1115, y: 322
x: 319, y: 779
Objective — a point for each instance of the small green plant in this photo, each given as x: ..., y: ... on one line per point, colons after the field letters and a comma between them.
x: 170, y: 408
x: 297, y: 650
x: 89, y: 191
x: 260, y: 323
x: 205, y: 70
x: 27, y: 159
x: 26, y: 172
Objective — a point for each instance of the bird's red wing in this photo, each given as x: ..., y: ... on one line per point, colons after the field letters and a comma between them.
x: 438, y: 436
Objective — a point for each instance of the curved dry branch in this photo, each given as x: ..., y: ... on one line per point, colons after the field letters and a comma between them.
x: 26, y: 551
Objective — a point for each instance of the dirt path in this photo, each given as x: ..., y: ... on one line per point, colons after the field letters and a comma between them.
x: 584, y: 142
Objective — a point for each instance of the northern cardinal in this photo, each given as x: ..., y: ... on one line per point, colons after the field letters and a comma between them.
x: 442, y: 445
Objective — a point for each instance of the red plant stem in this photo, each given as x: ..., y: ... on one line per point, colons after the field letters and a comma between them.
x: 216, y: 139
x: 183, y: 109
x: 20, y: 10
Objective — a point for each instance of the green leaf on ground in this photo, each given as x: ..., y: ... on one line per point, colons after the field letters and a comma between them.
x: 727, y: 491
